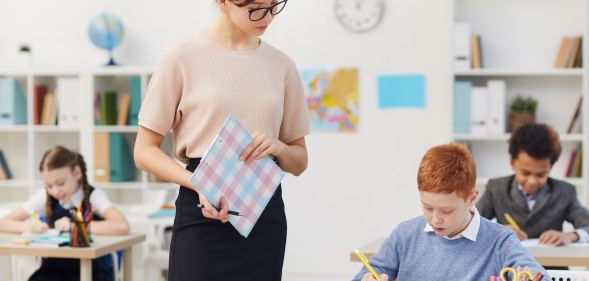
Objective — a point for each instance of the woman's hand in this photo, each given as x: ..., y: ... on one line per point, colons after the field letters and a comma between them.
x: 37, y: 226
x: 210, y: 212
x: 260, y: 147
x: 63, y: 224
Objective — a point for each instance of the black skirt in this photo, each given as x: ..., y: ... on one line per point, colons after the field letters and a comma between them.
x: 207, y: 249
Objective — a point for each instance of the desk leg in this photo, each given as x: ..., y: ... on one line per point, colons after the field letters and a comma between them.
x: 128, y: 264
x: 85, y: 270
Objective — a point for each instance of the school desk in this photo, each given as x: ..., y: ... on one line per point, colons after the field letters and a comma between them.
x: 101, y: 246
x: 575, y: 254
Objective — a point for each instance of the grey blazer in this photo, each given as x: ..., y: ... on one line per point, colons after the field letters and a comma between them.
x: 556, y: 202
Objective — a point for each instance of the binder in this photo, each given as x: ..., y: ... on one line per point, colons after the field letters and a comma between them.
x: 462, y: 107
x: 121, y: 164
x: 13, y: 103
x: 68, y: 96
x: 123, y: 110
x: 478, y: 111
x: 39, y: 92
x: 101, y: 157
x: 497, y: 113
x: 247, y: 186
x: 462, y: 50
x: 135, y: 87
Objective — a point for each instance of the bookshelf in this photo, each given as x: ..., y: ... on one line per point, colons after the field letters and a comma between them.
x: 519, y: 45
x: 23, y: 145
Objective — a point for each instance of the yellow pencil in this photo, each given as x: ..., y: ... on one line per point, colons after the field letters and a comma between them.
x: 511, y: 221
x: 364, y: 261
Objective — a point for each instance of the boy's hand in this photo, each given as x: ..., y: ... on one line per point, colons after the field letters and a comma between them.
x: 521, y: 235
x: 369, y: 277
x: 63, y: 224
x: 37, y: 227
x: 553, y: 237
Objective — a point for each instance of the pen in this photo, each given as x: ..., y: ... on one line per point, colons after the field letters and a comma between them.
x: 235, y: 213
x: 364, y: 261
x: 511, y: 221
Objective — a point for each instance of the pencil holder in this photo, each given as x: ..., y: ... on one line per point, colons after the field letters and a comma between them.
x: 80, y: 234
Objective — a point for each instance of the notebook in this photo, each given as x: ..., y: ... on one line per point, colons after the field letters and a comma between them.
x: 51, y: 240
x: 247, y: 186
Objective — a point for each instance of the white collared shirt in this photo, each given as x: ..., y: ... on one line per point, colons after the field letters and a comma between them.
x: 470, y: 232
x: 98, y: 199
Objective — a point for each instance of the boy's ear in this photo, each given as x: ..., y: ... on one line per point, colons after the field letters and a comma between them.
x: 473, y: 196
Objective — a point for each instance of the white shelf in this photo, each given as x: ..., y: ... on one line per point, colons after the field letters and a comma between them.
x: 116, y: 129
x: 505, y: 137
x: 14, y: 183
x: 54, y: 129
x: 14, y: 128
x: 119, y: 185
x: 162, y: 185
x: 116, y: 71
x: 578, y: 72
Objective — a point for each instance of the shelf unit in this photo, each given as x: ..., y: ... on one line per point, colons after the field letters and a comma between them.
x: 24, y: 145
x: 520, y: 49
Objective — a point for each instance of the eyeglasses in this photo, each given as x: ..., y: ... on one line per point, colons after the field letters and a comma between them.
x: 259, y: 13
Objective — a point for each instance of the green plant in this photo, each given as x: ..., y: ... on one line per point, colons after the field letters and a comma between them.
x: 524, y: 104
x: 24, y: 48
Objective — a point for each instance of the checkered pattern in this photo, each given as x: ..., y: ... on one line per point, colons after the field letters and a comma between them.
x: 247, y: 186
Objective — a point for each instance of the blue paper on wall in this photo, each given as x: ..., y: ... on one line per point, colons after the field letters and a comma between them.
x: 401, y: 91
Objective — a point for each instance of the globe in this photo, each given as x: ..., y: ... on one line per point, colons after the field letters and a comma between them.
x: 106, y: 32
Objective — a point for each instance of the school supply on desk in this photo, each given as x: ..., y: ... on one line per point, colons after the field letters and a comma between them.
x: 516, y: 274
x: 247, y: 186
x: 80, y: 227
x: 512, y: 221
x: 364, y: 261
x: 51, y: 241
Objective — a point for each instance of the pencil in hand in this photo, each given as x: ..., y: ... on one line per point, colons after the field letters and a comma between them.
x: 235, y: 213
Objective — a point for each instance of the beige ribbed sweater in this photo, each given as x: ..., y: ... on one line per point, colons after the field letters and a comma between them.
x: 199, y: 82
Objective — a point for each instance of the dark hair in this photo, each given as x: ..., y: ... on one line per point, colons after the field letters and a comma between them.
x: 240, y: 3
x: 57, y: 158
x: 539, y: 141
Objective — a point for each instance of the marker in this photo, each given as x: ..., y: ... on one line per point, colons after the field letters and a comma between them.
x: 235, y: 213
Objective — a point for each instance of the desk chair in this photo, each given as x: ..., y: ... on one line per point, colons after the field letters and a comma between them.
x: 566, y: 275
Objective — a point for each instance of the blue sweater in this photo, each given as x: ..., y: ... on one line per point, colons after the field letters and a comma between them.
x: 411, y: 254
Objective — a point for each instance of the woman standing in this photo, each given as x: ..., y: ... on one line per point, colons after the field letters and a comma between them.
x: 225, y: 69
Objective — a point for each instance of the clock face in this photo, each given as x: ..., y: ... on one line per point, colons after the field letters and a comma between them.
x: 359, y: 15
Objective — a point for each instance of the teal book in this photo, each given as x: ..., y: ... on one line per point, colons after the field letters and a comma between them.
x: 13, y: 103
x: 135, y: 101
x: 108, y: 108
x: 162, y: 213
x: 462, y: 107
x: 122, y: 166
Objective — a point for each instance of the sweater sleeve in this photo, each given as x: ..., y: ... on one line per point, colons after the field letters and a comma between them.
x: 159, y: 110
x: 387, y: 260
x: 295, y: 120
x: 513, y: 254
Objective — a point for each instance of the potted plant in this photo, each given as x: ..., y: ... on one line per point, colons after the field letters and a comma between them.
x: 26, y: 55
x: 523, y: 111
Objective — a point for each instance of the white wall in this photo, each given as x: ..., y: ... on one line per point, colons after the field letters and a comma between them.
x: 358, y: 186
